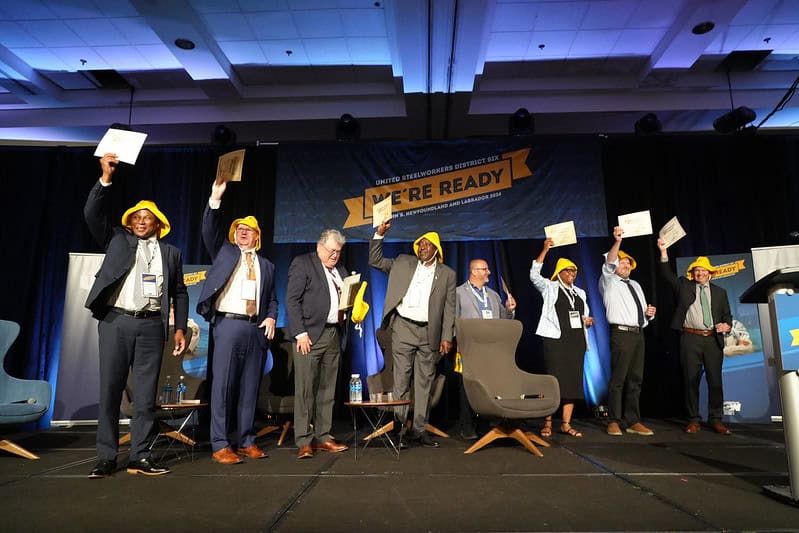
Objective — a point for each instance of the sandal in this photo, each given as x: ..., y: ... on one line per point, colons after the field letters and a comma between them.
x: 567, y: 429
x: 546, y: 431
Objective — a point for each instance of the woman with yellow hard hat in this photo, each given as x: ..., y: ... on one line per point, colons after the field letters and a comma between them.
x: 563, y: 323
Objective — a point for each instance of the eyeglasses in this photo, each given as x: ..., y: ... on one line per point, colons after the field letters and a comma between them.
x: 332, y: 252
x: 480, y: 268
x: 572, y: 271
x: 245, y: 229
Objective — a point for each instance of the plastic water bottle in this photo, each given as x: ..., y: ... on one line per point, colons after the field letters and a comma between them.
x: 358, y: 389
x: 181, y: 389
x: 166, y: 396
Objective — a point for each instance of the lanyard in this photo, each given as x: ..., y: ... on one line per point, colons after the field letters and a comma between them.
x: 141, y: 250
x: 481, y: 295
x: 570, y: 294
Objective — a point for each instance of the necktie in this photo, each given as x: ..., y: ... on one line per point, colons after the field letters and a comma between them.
x: 252, y: 309
x: 638, y: 306
x: 706, y: 317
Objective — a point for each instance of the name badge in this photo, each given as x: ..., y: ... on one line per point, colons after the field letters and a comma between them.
x: 487, y: 313
x: 574, y: 320
x: 149, y: 285
x: 248, y: 289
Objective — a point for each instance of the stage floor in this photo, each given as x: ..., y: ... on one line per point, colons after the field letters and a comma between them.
x: 669, y: 482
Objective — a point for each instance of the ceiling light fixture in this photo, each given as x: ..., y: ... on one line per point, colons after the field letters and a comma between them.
x: 521, y: 123
x: 184, y: 44
x: 703, y: 28
x: 648, y: 124
x: 347, y: 128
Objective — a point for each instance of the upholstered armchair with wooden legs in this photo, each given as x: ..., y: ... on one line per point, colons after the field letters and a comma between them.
x: 21, y: 400
x: 496, y: 387
x: 276, y: 394
x: 384, y: 382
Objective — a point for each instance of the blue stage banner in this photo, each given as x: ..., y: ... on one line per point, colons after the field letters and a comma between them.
x: 465, y: 190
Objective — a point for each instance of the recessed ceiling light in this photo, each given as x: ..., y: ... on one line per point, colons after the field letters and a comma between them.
x: 703, y: 28
x: 184, y: 44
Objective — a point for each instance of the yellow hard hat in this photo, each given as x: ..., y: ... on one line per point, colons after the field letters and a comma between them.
x: 562, y: 264
x: 249, y: 221
x: 152, y: 208
x: 702, y: 262
x: 431, y: 236
x: 623, y: 255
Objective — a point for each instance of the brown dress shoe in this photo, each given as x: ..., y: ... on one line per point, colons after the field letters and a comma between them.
x: 692, y: 427
x: 305, y: 452
x: 226, y: 456
x: 720, y: 428
x: 332, y: 446
x: 253, y: 452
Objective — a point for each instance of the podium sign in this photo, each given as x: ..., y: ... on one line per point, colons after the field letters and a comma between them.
x: 787, y: 307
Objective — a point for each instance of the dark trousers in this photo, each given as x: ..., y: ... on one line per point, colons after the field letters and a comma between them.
x: 315, y: 377
x: 466, y: 415
x: 238, y: 366
x: 128, y: 343
x: 626, y: 375
x: 698, y: 354
x: 413, y: 355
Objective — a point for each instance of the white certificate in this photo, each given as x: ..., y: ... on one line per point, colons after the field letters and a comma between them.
x: 125, y: 144
x: 349, y: 290
x: 561, y: 234
x: 229, y: 166
x: 381, y: 211
x: 671, y: 232
x: 636, y: 224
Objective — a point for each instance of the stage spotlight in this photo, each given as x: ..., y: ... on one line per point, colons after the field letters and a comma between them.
x: 223, y: 136
x: 347, y: 128
x: 734, y: 120
x: 648, y: 124
x: 521, y: 123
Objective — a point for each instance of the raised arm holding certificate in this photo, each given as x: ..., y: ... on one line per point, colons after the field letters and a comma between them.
x: 381, y: 211
x: 636, y: 224
x: 671, y: 232
x: 561, y: 234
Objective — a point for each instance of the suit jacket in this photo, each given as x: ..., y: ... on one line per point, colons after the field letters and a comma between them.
x: 308, y: 297
x: 225, y: 259
x: 120, y: 257
x: 685, y: 289
x: 441, y: 305
x: 466, y: 304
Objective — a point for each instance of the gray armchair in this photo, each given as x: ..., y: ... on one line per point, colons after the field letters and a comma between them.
x: 496, y: 387
x: 21, y: 400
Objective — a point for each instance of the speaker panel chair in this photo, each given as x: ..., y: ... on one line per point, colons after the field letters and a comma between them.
x: 496, y: 387
x: 276, y: 393
x: 21, y: 400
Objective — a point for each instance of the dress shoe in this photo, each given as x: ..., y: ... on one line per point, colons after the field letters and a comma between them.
x: 720, y: 428
x: 253, y: 452
x: 332, y: 446
x: 147, y: 467
x: 305, y: 452
x: 468, y: 434
x: 103, y: 469
x: 692, y: 427
x: 614, y: 429
x: 639, y: 429
x: 225, y: 456
x: 425, y: 440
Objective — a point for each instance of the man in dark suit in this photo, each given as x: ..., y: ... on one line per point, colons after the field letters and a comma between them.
x: 238, y: 300
x: 138, y: 281
x: 419, y: 310
x: 319, y: 329
x: 703, y: 315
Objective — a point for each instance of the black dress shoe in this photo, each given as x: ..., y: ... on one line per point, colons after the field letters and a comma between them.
x: 147, y: 467
x: 425, y: 440
x: 103, y: 469
x: 468, y: 434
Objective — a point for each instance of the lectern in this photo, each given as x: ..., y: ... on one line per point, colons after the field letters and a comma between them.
x: 777, y: 290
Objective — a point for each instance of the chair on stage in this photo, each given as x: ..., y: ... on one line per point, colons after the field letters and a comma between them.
x: 171, y: 366
x: 276, y: 393
x: 496, y: 387
x: 383, y: 382
x: 21, y: 400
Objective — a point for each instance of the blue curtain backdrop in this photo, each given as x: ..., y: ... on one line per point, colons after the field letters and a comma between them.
x: 731, y: 193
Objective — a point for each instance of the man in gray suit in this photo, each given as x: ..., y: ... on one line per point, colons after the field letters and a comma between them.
x: 476, y: 300
x: 419, y: 311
